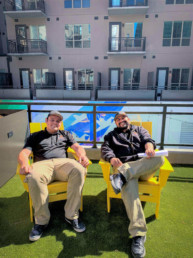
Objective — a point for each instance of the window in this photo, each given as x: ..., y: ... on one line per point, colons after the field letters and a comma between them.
x: 119, y: 3
x: 39, y: 76
x: 180, y: 79
x: 37, y: 33
x: 131, y: 78
x: 77, y: 36
x: 114, y: 78
x: 76, y: 3
x: 179, y: 1
x: 133, y: 34
x: 68, y: 4
x: 69, y: 79
x: 85, y: 79
x: 177, y: 33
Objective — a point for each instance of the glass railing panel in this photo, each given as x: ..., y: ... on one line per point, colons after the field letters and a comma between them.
x: 79, y: 124
x: 105, y: 124
x: 179, y: 129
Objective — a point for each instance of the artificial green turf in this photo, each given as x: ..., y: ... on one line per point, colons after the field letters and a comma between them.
x: 107, y: 234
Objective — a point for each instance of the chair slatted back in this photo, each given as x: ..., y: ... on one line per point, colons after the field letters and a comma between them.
x: 146, y: 125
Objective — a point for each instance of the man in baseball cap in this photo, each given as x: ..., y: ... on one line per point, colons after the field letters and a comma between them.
x: 55, y: 113
x: 120, y: 148
x: 51, y: 163
x: 121, y: 113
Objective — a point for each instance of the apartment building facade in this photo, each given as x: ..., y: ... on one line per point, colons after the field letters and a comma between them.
x: 96, y: 49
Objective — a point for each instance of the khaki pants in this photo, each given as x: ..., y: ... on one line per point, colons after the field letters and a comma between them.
x: 142, y: 169
x: 46, y: 171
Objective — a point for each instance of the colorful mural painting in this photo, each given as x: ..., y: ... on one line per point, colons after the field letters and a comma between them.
x: 79, y: 118
x: 81, y: 124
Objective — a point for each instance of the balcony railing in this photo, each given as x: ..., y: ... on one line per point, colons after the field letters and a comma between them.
x: 127, y: 3
x: 85, y: 87
x: 24, y: 5
x: 129, y: 45
x: 166, y: 117
x: 44, y: 86
x: 6, y: 86
x: 27, y: 47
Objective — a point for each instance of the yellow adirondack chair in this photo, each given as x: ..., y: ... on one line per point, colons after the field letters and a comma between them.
x: 149, y: 191
x: 57, y: 189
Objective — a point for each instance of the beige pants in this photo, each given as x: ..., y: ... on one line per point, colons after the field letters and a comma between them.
x: 46, y: 171
x: 142, y: 169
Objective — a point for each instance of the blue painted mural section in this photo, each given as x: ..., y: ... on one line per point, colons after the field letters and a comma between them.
x: 81, y: 124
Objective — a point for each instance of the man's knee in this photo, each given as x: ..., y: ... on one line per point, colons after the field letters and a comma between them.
x: 79, y: 172
x: 159, y: 161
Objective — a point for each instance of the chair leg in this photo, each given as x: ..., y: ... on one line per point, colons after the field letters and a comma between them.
x: 157, y: 205
x: 108, y: 203
x: 30, y: 209
x: 81, y: 205
x: 157, y: 210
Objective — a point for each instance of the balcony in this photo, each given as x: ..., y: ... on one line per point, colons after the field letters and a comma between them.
x: 115, y: 93
x: 24, y: 9
x: 119, y: 45
x: 124, y: 7
x: 27, y: 47
x: 46, y: 92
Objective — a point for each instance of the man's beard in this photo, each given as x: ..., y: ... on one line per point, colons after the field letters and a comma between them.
x: 123, y: 127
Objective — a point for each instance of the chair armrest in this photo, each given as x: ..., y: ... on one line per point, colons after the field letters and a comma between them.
x: 22, y: 177
x: 70, y: 150
x: 164, y: 172
x: 106, y: 169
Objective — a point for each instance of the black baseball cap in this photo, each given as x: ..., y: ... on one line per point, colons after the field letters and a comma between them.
x: 121, y: 113
x: 55, y: 113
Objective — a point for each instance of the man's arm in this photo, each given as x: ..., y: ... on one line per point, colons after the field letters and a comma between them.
x: 81, y: 153
x: 23, y: 161
x: 109, y: 155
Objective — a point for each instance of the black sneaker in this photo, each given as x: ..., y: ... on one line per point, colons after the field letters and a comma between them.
x: 117, y: 182
x: 137, y: 246
x: 77, y: 224
x: 36, y: 232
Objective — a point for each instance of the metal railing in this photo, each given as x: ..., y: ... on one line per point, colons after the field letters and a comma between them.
x: 85, y: 87
x: 122, y: 44
x: 127, y: 3
x: 24, y: 5
x: 97, y: 108
x: 24, y: 46
x: 44, y: 86
x: 6, y: 86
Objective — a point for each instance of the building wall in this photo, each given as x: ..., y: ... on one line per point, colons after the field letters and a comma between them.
x: 154, y: 57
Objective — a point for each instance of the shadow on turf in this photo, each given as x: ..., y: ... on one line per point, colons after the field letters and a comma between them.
x: 105, y: 232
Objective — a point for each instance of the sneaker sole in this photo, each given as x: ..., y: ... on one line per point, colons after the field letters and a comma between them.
x: 113, y: 185
x: 75, y: 229
x: 33, y: 239
x: 139, y: 256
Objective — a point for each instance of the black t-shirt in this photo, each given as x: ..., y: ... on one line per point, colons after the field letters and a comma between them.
x: 48, y: 146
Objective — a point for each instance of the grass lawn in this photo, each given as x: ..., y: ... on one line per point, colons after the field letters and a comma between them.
x: 107, y: 234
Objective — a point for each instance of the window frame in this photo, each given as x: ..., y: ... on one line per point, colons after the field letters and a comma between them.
x: 114, y: 87
x: 64, y: 72
x: 179, y: 85
x: 87, y: 85
x: 174, y: 2
x: 132, y: 85
x: 43, y: 77
x: 181, y: 39
x: 83, y: 37
x: 83, y: 4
